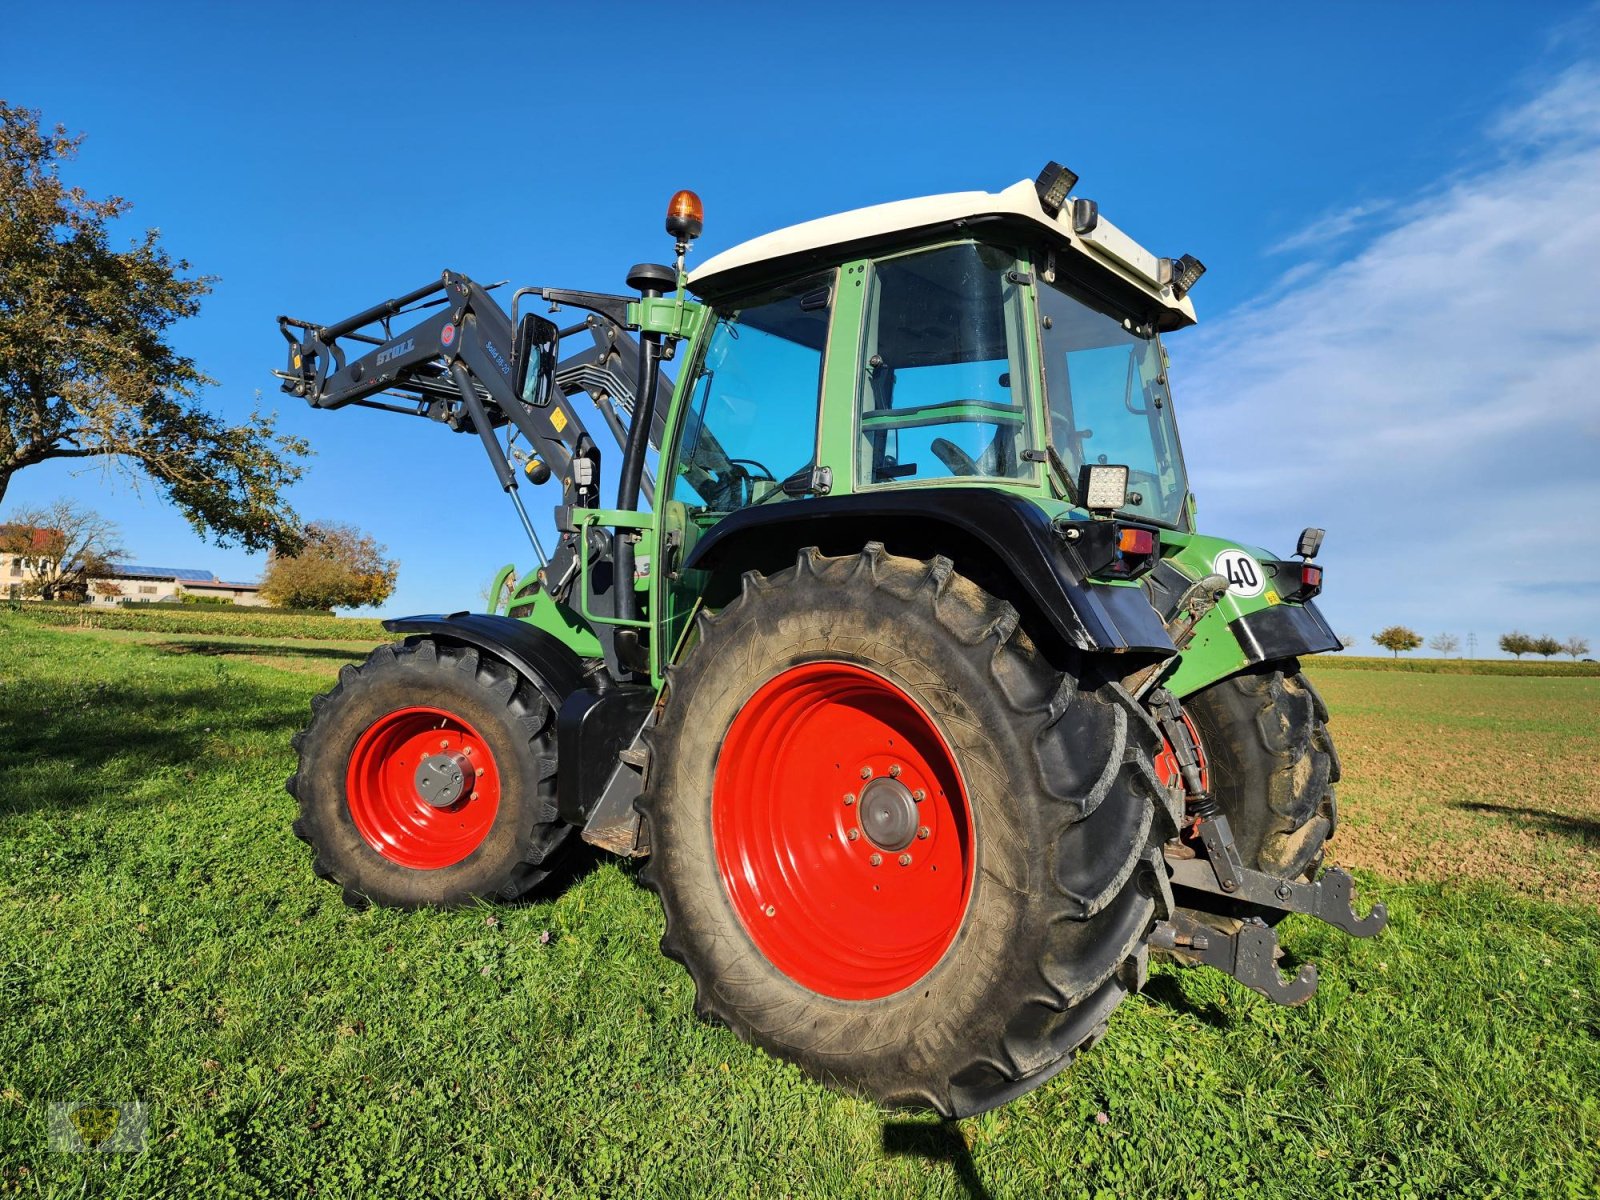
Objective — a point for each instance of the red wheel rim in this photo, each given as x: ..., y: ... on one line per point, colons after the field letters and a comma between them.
x: 1166, y: 764
x: 390, y: 811
x: 819, y: 751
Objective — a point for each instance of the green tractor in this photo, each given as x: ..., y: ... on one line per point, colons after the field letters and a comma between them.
x: 899, y: 655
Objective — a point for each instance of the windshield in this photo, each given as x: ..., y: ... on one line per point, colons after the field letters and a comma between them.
x: 751, y: 423
x: 1109, y: 401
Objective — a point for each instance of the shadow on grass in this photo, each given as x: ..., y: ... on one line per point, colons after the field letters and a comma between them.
x: 1167, y: 991
x: 935, y: 1142
x: 236, y: 649
x: 1583, y: 829
x: 95, y: 744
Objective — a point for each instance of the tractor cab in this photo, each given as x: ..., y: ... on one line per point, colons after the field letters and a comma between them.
x: 998, y: 339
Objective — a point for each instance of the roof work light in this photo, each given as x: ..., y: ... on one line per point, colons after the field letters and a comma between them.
x: 1054, y: 184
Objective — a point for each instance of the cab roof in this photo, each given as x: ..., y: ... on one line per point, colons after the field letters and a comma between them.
x: 1105, y: 255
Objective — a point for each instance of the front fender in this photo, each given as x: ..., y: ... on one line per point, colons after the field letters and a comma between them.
x: 537, y: 656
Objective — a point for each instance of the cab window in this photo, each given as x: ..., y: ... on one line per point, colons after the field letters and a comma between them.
x: 942, y: 395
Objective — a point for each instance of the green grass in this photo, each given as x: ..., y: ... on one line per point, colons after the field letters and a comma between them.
x: 1455, y: 666
x: 162, y: 938
x: 236, y: 622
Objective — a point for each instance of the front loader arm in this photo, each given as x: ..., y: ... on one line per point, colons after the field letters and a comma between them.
x: 346, y: 363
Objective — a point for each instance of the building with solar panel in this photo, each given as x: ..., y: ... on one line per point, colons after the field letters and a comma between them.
x: 130, y: 583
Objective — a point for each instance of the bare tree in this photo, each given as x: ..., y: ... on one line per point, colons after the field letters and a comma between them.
x: 1444, y: 643
x: 60, y: 548
x: 1575, y: 646
x: 1346, y: 640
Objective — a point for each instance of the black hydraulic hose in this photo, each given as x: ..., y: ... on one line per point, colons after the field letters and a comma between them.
x: 633, y: 474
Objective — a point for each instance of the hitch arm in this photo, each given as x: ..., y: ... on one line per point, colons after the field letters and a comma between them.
x: 1329, y: 899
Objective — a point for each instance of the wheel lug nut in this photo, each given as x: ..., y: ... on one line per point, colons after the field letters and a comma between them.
x: 866, y: 772
x: 444, y: 743
x: 479, y: 771
x: 905, y: 860
x: 849, y: 799
x: 854, y: 834
x: 894, y: 771
x: 474, y: 796
x: 876, y: 859
x: 919, y: 795
x: 922, y: 832
x: 771, y: 910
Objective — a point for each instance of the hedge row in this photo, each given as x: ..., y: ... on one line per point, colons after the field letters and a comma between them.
x: 1452, y: 666
x: 238, y: 622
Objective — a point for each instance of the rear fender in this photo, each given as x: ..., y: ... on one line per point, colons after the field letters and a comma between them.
x: 1000, y: 540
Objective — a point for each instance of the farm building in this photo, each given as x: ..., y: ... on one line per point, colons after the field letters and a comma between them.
x: 128, y: 583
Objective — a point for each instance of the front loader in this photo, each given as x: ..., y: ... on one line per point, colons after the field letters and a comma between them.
x: 906, y: 667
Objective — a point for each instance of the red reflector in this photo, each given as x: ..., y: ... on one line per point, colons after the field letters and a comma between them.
x: 1136, y: 541
x: 1311, y: 576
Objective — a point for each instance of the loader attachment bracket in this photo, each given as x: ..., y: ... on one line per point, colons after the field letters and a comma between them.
x: 1250, y: 955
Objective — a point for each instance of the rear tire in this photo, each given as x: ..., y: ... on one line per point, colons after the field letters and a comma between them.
x: 1272, y: 766
x: 953, y: 992
x: 489, y: 740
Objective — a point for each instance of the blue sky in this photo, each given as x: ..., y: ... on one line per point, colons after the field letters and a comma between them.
x: 1399, y: 206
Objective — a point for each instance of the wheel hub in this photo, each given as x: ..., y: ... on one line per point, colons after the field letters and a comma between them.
x: 888, y: 814
x: 441, y: 778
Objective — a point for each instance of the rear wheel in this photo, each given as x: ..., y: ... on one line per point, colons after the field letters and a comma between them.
x: 1271, y: 765
x: 893, y: 843
x: 426, y: 778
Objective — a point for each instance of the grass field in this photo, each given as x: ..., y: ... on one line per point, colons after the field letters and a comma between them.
x: 162, y: 938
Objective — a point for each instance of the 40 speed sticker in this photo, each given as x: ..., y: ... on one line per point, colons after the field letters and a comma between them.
x: 1243, y: 573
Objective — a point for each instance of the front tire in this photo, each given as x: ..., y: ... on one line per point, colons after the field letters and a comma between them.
x: 426, y: 779
x: 1271, y: 765
x: 1008, y: 909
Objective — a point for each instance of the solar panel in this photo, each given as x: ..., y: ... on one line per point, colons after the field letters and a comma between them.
x: 187, y: 574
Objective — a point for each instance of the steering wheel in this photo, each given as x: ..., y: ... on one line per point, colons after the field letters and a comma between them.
x: 954, y: 457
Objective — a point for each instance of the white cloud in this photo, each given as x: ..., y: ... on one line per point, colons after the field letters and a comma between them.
x: 1433, y: 399
x: 1330, y: 228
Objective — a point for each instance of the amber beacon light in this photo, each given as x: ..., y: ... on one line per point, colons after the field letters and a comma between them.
x: 685, y: 216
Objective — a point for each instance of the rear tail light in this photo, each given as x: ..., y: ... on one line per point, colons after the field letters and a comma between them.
x: 1310, y: 580
x: 1111, y: 549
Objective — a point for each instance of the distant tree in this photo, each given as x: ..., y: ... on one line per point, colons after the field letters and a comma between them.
x: 1398, y: 638
x: 1346, y: 640
x: 1575, y: 646
x: 1516, y: 643
x: 1546, y: 646
x: 61, y: 547
x: 1445, y: 643
x: 337, y: 567
x: 86, y: 366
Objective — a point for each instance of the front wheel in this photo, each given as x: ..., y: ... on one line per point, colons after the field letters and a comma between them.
x: 425, y: 779
x: 1271, y: 765
x: 893, y: 843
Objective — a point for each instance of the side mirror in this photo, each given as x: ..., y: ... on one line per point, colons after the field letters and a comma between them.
x: 533, y: 360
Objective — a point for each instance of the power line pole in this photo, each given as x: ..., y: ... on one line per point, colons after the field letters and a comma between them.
x: 1472, y: 645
